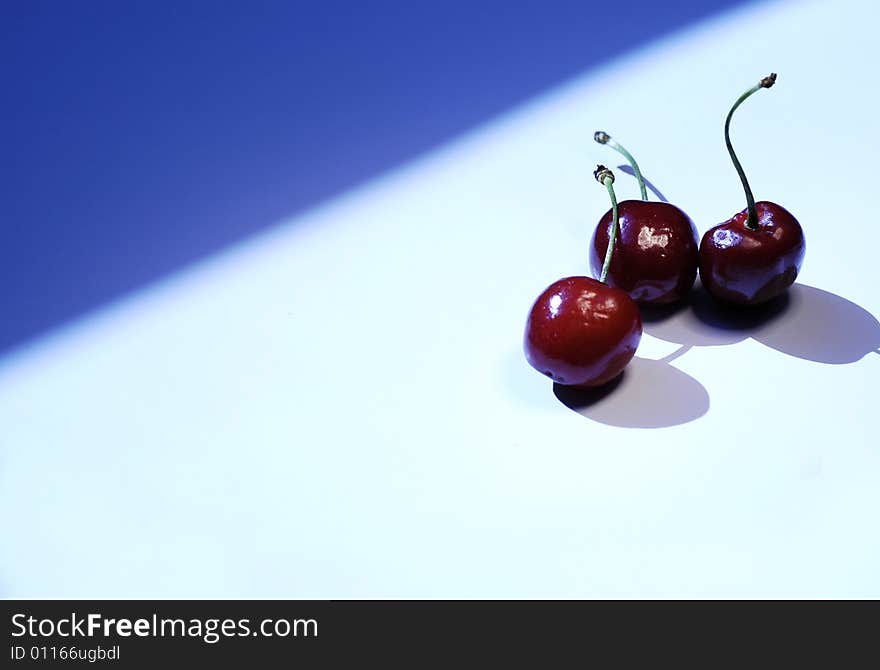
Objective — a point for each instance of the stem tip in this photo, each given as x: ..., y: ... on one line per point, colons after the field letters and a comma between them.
x: 601, y: 173
x: 601, y: 136
x: 769, y: 80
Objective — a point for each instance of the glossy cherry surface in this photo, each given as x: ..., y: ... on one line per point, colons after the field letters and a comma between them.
x: 581, y: 332
x: 655, y: 258
x: 746, y: 266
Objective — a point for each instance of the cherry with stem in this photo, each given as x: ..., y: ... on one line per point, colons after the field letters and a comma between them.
x: 766, y: 82
x: 757, y: 254
x: 582, y: 332
x: 656, y: 257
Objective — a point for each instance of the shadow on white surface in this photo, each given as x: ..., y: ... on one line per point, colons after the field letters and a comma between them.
x: 653, y: 189
x: 701, y: 321
x: 805, y: 322
x: 647, y: 394
x: 822, y: 327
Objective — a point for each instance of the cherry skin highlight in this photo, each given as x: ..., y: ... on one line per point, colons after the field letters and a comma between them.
x: 655, y: 258
x: 746, y: 266
x: 581, y: 332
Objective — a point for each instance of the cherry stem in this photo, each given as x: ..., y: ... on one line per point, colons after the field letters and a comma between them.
x: 604, y: 138
x: 766, y: 82
x: 606, y: 177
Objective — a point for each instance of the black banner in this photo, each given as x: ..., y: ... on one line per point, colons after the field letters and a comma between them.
x: 151, y: 634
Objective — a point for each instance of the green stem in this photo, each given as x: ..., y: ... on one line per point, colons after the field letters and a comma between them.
x: 766, y: 82
x: 605, y: 177
x: 604, y: 138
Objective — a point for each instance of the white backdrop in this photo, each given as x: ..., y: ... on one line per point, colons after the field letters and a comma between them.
x: 341, y: 407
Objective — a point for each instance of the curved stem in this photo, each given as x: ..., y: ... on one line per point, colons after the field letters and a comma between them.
x: 766, y: 82
x: 604, y: 138
x: 606, y: 177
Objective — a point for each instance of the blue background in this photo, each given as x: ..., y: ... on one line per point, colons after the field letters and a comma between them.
x: 138, y: 137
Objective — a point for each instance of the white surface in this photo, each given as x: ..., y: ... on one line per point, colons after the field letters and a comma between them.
x: 341, y: 408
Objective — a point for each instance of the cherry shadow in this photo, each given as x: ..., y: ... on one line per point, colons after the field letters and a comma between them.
x: 740, y: 319
x: 805, y: 322
x: 702, y: 321
x: 631, y: 400
x: 653, y: 189
x: 822, y: 327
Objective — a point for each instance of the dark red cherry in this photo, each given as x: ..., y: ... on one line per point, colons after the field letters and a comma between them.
x: 757, y: 254
x: 655, y: 258
x: 748, y: 266
x: 581, y: 332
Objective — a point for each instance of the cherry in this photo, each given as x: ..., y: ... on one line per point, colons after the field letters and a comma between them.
x: 656, y: 256
x: 581, y: 331
x: 755, y: 255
